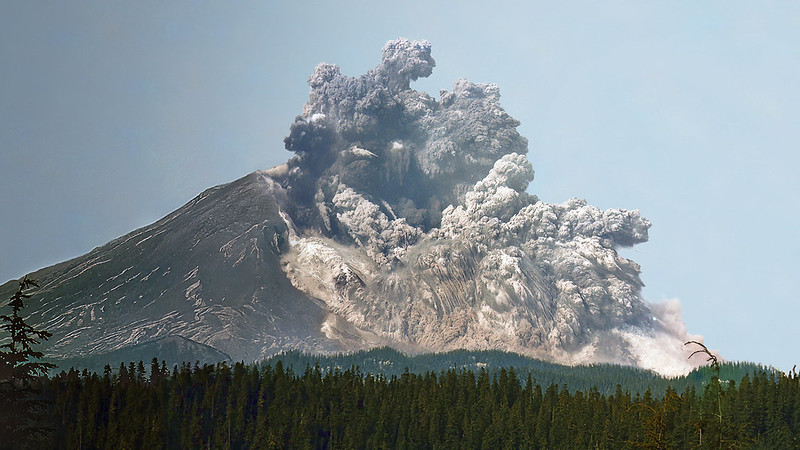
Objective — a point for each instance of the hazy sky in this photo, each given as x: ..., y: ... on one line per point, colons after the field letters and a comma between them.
x: 113, y: 114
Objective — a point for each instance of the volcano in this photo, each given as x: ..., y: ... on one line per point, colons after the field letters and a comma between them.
x: 400, y: 220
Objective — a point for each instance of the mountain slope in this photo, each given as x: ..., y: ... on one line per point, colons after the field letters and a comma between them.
x: 206, y: 272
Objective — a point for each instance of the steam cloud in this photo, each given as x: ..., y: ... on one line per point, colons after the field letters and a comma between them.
x: 410, y: 219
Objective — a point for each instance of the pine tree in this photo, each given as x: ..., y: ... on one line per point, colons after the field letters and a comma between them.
x: 20, y: 409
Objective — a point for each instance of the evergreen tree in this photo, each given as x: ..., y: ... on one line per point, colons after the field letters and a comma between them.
x: 20, y: 406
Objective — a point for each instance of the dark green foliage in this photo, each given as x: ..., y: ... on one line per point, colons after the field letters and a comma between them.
x: 21, y: 406
x: 272, y: 406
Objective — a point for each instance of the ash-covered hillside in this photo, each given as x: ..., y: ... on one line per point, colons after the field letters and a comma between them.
x: 401, y: 220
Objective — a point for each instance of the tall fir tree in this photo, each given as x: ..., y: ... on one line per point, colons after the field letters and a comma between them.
x: 21, y: 408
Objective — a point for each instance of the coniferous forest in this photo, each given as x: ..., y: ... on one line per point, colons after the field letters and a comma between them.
x: 480, y: 401
x: 251, y: 406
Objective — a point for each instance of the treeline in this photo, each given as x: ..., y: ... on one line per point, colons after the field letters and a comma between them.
x: 604, y: 377
x: 250, y: 406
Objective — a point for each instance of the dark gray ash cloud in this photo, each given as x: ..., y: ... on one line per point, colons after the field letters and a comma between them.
x: 412, y: 222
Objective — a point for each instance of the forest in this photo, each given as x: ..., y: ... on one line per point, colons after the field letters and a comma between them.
x: 252, y: 406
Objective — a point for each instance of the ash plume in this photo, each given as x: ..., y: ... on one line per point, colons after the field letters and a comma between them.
x: 411, y: 221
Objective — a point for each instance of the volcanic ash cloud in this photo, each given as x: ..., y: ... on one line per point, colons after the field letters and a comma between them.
x: 411, y: 221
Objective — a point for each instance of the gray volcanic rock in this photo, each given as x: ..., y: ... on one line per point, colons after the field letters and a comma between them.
x: 400, y: 220
x: 209, y: 272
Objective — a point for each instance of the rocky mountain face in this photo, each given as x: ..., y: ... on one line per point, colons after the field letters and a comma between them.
x: 400, y: 220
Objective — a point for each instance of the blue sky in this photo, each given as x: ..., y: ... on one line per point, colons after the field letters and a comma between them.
x: 113, y: 114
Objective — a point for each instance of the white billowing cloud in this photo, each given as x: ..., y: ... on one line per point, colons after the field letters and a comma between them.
x: 492, y: 202
x: 668, y: 313
x: 663, y: 349
x: 502, y: 193
x: 385, y: 239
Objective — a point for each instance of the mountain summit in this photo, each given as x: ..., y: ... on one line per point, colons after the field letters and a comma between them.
x: 400, y: 220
